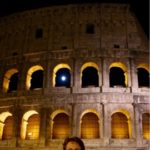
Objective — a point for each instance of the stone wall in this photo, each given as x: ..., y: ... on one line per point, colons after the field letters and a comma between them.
x: 114, y: 36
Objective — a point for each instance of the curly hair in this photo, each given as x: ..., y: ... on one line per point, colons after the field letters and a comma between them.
x: 73, y: 139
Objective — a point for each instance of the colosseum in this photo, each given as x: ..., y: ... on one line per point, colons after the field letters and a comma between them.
x: 74, y: 70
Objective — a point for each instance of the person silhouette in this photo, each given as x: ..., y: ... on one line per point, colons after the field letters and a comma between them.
x: 73, y: 143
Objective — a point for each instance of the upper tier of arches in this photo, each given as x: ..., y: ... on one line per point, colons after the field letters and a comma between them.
x: 90, y: 74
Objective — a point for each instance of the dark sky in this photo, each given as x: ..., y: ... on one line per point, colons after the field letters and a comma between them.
x: 139, y: 7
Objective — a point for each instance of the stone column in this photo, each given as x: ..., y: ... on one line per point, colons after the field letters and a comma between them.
x: 17, y: 115
x: 22, y: 77
x: 106, y: 124
x: 134, y: 78
x: 72, y: 120
x: 76, y: 76
x: 43, y: 125
x: 76, y: 120
x: 138, y: 125
x: 105, y: 74
x: 46, y: 77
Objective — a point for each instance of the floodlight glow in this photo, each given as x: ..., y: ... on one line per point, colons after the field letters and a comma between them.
x: 63, y: 78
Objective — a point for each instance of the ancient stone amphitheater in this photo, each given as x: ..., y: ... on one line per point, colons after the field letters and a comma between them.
x: 74, y: 70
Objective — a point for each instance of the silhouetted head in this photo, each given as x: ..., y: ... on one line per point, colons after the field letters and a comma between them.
x: 73, y: 143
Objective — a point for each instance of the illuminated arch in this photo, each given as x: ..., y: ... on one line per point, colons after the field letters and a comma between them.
x: 7, y: 77
x: 90, y: 124
x: 123, y: 67
x: 93, y: 65
x: 59, y: 66
x: 29, y: 75
x: 90, y: 110
x: 60, y: 126
x: 117, y: 131
x: 31, y: 132
x: 145, y: 66
x: 89, y: 64
x: 3, y: 117
x: 146, y: 125
x: 57, y: 112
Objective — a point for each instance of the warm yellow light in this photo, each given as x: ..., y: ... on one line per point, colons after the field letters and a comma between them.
x: 146, y: 125
x: 25, y: 122
x: 120, y: 125
x: 60, y: 126
x: 90, y: 126
x: 3, y: 117
x: 89, y: 64
x: 59, y: 66
x: 123, y: 67
x: 145, y: 66
x: 33, y: 127
x: 7, y: 77
x: 29, y: 74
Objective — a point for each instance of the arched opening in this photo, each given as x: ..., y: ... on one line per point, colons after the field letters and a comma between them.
x: 143, y: 77
x: 34, y: 78
x: 8, y: 128
x: 89, y: 74
x: 6, y: 125
x: 33, y: 127
x: 13, y: 82
x: 90, y: 126
x: 116, y: 77
x: 63, y: 77
x: 10, y: 81
x: 37, y: 80
x: 90, y: 77
x: 119, y: 126
x: 30, y: 126
x: 146, y: 125
x: 61, y: 127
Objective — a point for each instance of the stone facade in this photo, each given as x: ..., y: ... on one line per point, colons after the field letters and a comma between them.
x: 114, y: 36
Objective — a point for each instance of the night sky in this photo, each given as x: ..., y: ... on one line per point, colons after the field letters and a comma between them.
x: 139, y: 7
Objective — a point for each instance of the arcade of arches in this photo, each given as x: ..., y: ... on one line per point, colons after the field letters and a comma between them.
x: 60, y: 126
x: 90, y: 75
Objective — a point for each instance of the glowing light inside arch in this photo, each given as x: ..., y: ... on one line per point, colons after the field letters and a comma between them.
x: 60, y: 127
x: 7, y: 77
x: 25, y: 123
x: 146, y: 125
x: 89, y: 111
x: 123, y: 67
x: 29, y: 75
x: 3, y: 117
x: 90, y: 124
x: 127, y: 114
x: 59, y: 66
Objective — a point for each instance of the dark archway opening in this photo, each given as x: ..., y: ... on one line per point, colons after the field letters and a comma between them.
x: 143, y: 78
x: 116, y: 77
x: 63, y: 78
x: 90, y: 77
x: 37, y: 79
x: 13, y: 83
